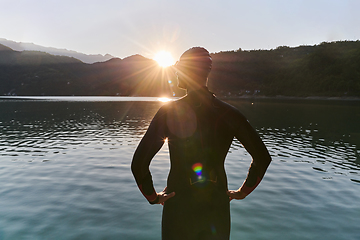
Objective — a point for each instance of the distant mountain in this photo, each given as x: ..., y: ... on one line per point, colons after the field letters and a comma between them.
x: 34, y: 73
x: 20, y: 46
x: 5, y: 48
x: 11, y: 58
x: 328, y: 69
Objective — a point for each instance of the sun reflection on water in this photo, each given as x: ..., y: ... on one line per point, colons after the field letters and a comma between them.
x: 164, y: 99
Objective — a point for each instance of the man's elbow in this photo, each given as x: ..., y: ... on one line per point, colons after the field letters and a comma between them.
x: 134, y: 167
x: 267, y: 159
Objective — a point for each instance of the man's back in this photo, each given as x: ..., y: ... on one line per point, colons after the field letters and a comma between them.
x: 199, y: 129
x: 199, y: 137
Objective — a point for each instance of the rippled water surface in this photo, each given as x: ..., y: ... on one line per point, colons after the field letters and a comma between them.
x: 65, y: 170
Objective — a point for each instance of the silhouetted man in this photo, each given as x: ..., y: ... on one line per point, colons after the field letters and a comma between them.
x: 200, y: 129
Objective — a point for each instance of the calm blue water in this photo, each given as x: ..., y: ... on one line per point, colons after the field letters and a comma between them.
x: 65, y: 170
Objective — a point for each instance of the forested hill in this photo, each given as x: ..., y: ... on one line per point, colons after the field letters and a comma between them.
x: 32, y: 73
x: 327, y: 69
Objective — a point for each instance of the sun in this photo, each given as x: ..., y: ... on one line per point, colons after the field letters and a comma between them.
x: 164, y: 59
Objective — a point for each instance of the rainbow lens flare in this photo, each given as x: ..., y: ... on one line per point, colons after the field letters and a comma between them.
x: 197, y: 167
x: 213, y: 229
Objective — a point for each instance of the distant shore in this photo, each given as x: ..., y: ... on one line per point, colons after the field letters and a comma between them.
x: 280, y: 97
x: 245, y: 97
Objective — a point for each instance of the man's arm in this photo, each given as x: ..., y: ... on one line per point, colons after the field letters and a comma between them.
x: 261, y: 159
x: 150, y: 144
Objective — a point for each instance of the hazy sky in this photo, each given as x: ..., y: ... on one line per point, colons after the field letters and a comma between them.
x: 127, y: 27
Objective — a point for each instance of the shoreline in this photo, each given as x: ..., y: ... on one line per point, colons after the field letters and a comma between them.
x: 281, y: 97
x: 245, y: 97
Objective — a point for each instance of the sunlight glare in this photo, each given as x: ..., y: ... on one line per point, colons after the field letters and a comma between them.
x: 164, y: 59
x: 164, y: 99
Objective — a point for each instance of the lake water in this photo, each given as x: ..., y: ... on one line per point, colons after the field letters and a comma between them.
x: 65, y: 170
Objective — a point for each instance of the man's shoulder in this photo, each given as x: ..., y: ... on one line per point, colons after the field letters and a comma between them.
x: 168, y: 106
x: 174, y: 103
x: 224, y: 105
x: 228, y: 111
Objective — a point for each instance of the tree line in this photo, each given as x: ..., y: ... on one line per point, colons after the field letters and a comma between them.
x: 327, y: 69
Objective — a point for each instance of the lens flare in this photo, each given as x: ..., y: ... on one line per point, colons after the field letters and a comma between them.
x: 213, y: 229
x: 197, y: 168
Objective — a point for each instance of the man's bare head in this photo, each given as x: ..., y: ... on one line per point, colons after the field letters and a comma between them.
x: 193, y: 68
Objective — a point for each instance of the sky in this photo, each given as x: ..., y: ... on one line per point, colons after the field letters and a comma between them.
x: 126, y: 27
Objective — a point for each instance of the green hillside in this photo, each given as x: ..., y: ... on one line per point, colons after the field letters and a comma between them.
x: 328, y: 69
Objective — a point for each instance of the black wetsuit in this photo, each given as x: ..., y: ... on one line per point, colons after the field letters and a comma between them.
x: 200, y: 129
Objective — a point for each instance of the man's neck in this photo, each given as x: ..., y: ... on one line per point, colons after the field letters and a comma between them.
x: 199, y: 84
x: 189, y: 90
